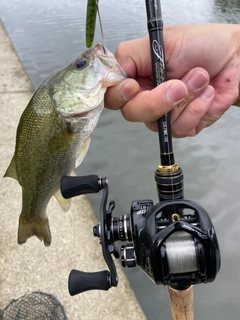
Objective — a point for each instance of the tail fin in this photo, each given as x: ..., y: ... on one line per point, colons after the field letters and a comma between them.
x: 39, y: 228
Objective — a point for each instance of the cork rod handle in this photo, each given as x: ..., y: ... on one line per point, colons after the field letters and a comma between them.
x: 181, y: 303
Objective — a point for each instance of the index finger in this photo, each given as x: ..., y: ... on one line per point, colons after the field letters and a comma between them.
x: 134, y: 56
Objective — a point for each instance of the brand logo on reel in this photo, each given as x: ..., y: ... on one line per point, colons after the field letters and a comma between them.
x: 196, y: 232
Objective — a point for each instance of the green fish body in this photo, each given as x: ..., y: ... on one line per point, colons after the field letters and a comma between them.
x: 54, y: 133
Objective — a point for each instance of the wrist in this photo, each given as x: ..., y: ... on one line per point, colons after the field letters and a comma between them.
x: 237, y: 44
x: 237, y: 103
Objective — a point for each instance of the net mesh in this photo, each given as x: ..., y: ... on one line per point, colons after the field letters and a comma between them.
x: 34, y: 306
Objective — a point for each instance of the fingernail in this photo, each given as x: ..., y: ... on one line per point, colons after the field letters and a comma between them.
x: 207, y: 93
x: 176, y: 93
x: 197, y: 81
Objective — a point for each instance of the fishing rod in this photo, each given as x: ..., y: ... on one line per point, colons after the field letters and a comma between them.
x: 169, y: 180
x: 173, y: 241
x: 168, y: 170
x: 155, y: 28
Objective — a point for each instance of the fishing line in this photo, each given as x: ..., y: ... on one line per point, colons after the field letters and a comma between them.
x: 100, y: 24
x: 181, y: 259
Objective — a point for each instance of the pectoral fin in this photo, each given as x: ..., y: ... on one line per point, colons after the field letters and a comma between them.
x: 64, y: 203
x: 11, y: 170
x: 82, y: 152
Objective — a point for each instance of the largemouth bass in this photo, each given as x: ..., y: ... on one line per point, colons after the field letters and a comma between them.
x: 54, y: 133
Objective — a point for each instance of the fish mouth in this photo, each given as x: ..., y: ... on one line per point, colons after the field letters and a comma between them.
x: 81, y: 115
x: 99, y: 49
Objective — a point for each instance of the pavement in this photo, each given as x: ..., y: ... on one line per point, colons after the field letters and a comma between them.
x: 32, y: 266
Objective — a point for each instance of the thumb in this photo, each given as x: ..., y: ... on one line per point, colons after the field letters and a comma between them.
x: 150, y: 105
x: 117, y: 96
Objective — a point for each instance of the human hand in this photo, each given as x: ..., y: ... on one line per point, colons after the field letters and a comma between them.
x: 205, y: 59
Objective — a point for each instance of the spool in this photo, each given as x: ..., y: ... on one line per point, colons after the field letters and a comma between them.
x: 181, y: 253
x: 182, y: 258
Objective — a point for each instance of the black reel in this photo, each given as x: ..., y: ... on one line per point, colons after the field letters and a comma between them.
x: 174, y: 242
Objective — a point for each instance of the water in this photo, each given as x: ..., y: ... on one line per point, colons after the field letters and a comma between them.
x: 48, y: 34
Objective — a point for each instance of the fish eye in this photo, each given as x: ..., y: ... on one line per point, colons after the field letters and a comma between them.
x: 81, y: 63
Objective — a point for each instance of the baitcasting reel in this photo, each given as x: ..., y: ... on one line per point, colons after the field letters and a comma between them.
x: 174, y: 242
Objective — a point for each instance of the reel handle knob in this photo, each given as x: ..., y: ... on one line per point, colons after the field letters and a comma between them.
x: 75, y: 186
x: 80, y: 281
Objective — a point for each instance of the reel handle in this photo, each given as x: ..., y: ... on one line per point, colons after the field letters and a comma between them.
x: 75, y: 186
x: 80, y: 281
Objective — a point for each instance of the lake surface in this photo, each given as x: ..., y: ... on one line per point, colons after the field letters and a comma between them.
x: 48, y: 34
